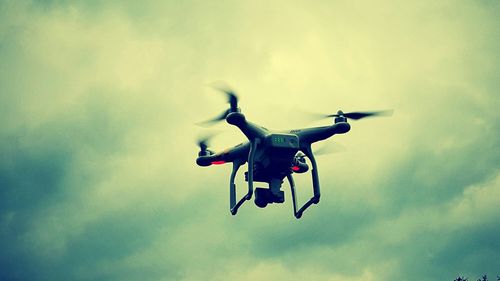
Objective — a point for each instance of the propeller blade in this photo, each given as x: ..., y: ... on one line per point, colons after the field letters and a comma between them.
x: 204, y: 141
x: 216, y: 119
x: 328, y: 148
x: 232, y: 99
x: 361, y: 115
x: 203, y: 144
x: 223, y: 87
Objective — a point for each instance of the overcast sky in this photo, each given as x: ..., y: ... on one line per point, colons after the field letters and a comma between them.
x: 98, y: 105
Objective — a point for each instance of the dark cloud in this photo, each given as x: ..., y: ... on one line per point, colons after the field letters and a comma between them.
x: 472, y: 250
x: 34, y: 175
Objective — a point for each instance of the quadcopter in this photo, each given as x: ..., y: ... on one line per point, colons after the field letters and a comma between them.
x: 273, y: 156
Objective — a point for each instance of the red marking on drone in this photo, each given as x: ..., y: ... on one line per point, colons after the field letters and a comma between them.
x: 218, y: 162
x: 295, y: 168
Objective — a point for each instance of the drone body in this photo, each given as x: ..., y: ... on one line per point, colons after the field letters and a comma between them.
x: 272, y: 156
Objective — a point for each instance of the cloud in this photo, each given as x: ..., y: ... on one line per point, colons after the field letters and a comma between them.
x: 97, y: 171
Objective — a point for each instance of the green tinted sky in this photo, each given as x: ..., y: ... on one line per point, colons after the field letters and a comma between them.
x: 98, y: 102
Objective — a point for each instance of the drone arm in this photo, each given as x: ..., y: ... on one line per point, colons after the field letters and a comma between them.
x: 234, y: 154
x: 311, y: 135
x: 250, y: 130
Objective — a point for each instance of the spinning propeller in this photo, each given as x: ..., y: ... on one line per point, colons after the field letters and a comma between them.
x: 203, y: 144
x: 325, y: 149
x: 359, y: 115
x: 232, y: 99
x: 329, y: 148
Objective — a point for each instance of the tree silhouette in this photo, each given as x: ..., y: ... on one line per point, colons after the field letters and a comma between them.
x: 483, y: 278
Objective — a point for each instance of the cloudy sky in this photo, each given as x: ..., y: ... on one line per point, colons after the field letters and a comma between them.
x: 98, y: 105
